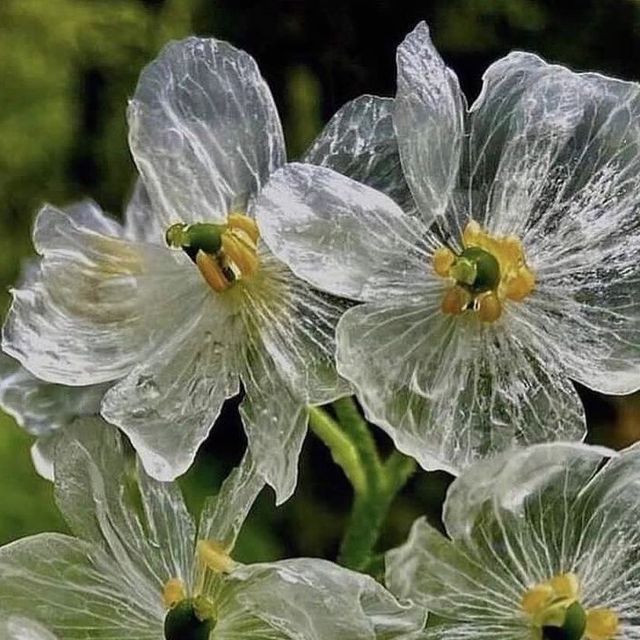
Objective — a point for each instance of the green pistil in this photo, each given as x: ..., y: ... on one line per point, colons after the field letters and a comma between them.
x: 476, y: 270
x: 200, y: 236
x: 189, y: 620
x: 572, y: 628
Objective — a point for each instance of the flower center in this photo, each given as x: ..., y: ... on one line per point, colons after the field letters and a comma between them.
x: 224, y: 253
x: 555, y: 612
x: 194, y: 617
x: 489, y: 270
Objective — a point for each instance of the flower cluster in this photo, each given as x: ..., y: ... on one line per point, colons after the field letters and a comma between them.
x: 455, y: 268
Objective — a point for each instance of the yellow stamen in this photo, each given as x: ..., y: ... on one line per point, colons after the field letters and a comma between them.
x: 238, y: 247
x: 455, y: 300
x: 536, y: 599
x: 443, y: 258
x: 602, y: 624
x: 173, y: 592
x: 247, y: 224
x: 215, y: 556
x: 211, y: 272
x: 566, y: 586
x: 491, y: 268
x: 489, y: 307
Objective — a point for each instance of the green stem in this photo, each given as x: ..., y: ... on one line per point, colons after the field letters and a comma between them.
x: 375, y: 483
x: 342, y: 448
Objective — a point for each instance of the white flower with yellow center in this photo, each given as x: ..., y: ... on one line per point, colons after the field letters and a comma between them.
x: 510, y: 269
x: 176, y: 319
x: 540, y: 544
x: 140, y: 569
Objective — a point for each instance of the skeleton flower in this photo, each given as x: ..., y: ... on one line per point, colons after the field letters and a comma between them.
x: 513, y: 268
x: 542, y: 545
x: 140, y: 569
x: 176, y: 320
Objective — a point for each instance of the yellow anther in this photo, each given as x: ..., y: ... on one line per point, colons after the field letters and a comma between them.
x: 211, y: 271
x: 566, y: 586
x: 472, y: 234
x: 602, y: 624
x: 489, y: 307
x: 247, y: 224
x: 240, y: 249
x: 536, y: 599
x: 521, y: 285
x: 173, y: 592
x: 443, y: 258
x: 455, y: 300
x: 512, y: 249
x: 215, y: 556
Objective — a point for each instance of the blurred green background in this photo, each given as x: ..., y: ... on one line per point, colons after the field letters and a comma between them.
x: 67, y: 68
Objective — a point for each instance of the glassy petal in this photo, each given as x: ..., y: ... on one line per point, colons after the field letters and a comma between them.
x: 315, y: 599
x: 360, y: 142
x: 275, y: 421
x: 504, y: 84
x: 204, y: 130
x: 449, y: 390
x: 297, y: 326
x: 429, y: 122
x: 223, y: 515
x: 19, y: 628
x: 98, y: 303
x: 76, y: 590
x: 141, y: 223
x: 341, y: 236
x: 143, y: 524
x: 169, y: 402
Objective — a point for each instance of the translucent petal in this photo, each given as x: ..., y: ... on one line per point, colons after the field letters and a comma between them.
x: 99, y: 303
x: 223, y: 515
x: 275, y: 421
x: 449, y: 390
x: 143, y: 524
x: 43, y: 454
x: 341, y: 236
x: 429, y: 122
x: 74, y: 589
x: 204, y: 130
x: 42, y: 407
x: 315, y: 599
x: 169, y: 402
x: 297, y: 325
x: 360, y: 142
x: 19, y: 628
x: 141, y: 222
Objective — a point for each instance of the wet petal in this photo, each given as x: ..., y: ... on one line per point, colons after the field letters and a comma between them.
x: 297, y: 325
x: 275, y: 421
x: 168, y: 403
x: 143, y: 524
x: 341, y: 236
x: 449, y: 390
x: 429, y: 122
x: 97, y: 304
x: 360, y: 142
x: 316, y: 599
x: 204, y: 130
x: 76, y: 590
x: 223, y: 515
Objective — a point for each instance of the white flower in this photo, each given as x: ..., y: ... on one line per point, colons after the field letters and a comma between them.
x: 541, y: 544
x: 516, y: 271
x: 140, y: 569
x: 180, y: 316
